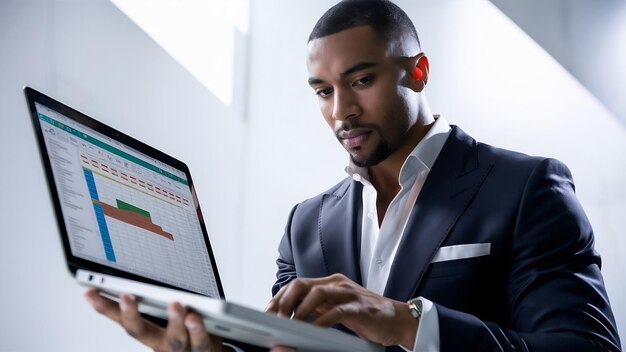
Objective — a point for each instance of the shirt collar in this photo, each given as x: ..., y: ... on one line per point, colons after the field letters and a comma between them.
x: 423, y: 156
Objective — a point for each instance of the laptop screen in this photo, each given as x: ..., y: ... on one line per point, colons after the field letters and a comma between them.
x: 124, y: 209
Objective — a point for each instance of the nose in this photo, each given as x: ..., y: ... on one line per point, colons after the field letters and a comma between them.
x: 345, y: 105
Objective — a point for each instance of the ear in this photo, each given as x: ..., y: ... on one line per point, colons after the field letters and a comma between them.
x: 420, y: 68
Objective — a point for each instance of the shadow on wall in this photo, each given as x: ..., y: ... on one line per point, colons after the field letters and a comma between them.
x: 205, y: 37
x: 586, y: 38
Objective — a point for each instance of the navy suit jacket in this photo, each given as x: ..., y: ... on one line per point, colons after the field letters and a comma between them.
x: 539, y: 289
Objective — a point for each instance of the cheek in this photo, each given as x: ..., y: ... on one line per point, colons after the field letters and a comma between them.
x: 398, y: 115
x: 407, y: 101
x: 382, y: 99
x: 403, y: 108
x: 326, y: 110
x: 373, y: 104
x: 379, y: 106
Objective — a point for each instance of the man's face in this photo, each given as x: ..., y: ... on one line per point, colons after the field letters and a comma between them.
x: 358, y: 83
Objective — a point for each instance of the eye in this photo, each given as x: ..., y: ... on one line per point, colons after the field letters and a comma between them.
x: 363, y: 81
x: 323, y: 92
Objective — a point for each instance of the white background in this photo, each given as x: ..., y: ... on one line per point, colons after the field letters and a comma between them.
x: 255, y: 157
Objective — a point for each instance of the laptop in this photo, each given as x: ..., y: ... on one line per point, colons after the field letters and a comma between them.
x: 130, y: 222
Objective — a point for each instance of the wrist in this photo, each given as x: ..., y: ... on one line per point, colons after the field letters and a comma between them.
x: 409, y: 326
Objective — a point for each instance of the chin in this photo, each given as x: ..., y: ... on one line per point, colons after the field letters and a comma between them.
x: 378, y: 155
x: 363, y: 161
x: 370, y: 154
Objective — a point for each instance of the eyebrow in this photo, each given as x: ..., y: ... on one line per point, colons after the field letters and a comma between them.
x: 352, y: 69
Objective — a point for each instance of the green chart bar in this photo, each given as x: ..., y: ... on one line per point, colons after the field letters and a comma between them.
x: 129, y: 207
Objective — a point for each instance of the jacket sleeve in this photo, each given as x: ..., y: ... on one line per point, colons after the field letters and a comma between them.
x: 555, y: 296
x: 285, y: 262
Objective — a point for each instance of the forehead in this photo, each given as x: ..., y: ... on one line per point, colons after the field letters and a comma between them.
x: 335, y: 52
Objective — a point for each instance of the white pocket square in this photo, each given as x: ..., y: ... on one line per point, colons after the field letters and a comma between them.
x: 462, y: 251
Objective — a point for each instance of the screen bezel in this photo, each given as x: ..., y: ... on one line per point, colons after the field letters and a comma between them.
x: 74, y: 263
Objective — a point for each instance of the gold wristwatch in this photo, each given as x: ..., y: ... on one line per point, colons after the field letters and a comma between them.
x: 415, y: 307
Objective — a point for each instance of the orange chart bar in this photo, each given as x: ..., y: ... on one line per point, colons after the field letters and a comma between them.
x: 133, y: 218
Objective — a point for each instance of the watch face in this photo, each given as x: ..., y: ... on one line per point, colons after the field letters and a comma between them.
x: 415, y: 306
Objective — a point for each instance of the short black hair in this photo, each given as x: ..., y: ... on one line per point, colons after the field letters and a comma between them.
x: 386, y: 19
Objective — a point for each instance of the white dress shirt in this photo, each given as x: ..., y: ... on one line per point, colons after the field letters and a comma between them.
x: 380, y: 244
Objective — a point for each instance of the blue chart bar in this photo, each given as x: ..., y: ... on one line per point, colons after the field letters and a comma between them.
x: 104, y: 230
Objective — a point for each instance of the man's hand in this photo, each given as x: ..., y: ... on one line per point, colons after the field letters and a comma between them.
x: 338, y: 300
x: 185, y: 330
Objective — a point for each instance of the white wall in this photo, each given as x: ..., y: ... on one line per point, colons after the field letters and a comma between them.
x: 249, y: 174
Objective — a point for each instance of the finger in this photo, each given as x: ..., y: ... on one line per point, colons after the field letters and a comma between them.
x: 339, y: 314
x: 297, y: 290
x: 200, y: 340
x: 273, y: 304
x: 176, y: 338
x: 103, y: 305
x: 320, y: 297
x: 285, y: 300
x: 282, y: 349
x: 290, y: 298
x: 144, y: 331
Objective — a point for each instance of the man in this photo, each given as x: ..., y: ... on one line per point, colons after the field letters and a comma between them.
x: 490, y: 248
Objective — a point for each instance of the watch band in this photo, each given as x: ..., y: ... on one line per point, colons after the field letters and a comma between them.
x: 415, y: 307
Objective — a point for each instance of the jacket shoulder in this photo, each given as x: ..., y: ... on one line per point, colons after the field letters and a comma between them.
x: 313, y: 203
x: 519, y: 165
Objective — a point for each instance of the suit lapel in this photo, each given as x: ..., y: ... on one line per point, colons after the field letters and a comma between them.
x: 450, y: 186
x: 339, y: 223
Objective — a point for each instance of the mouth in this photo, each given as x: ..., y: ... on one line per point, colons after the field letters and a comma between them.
x: 354, y: 139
